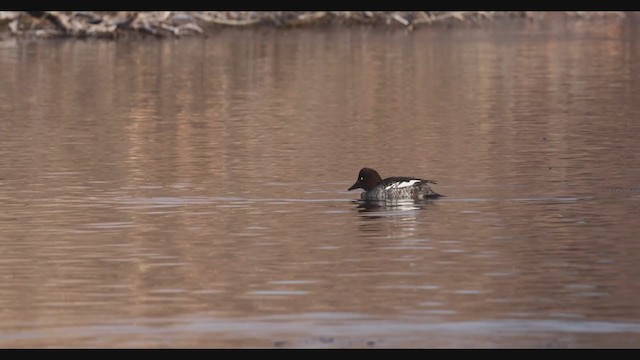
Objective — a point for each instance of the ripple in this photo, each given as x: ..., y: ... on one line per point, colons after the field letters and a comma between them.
x: 277, y: 292
x: 111, y: 225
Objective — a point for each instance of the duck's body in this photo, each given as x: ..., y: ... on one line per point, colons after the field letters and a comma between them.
x: 392, y: 188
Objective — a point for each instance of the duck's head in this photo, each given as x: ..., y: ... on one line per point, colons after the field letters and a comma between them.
x: 367, y: 179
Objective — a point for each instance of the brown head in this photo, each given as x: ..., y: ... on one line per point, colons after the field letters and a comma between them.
x: 367, y: 179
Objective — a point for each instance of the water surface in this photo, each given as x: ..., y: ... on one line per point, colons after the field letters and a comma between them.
x: 192, y: 193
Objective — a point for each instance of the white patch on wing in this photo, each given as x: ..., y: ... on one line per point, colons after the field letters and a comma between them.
x: 402, y: 184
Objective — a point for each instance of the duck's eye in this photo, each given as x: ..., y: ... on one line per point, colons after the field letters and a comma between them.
x: 361, y: 178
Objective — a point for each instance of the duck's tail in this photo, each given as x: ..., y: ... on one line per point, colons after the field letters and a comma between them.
x: 435, y: 195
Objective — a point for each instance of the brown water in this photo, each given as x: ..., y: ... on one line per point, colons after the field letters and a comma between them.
x: 192, y: 193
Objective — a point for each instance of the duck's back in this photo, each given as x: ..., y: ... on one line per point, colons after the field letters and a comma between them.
x: 401, y: 187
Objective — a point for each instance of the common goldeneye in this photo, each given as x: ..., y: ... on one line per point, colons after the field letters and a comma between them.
x: 393, y: 188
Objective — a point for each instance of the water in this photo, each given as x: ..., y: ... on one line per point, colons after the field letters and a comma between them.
x: 193, y: 192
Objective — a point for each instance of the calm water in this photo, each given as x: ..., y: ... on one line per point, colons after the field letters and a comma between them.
x: 192, y: 193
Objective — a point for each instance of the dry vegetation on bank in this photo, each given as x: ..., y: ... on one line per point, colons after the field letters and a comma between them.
x: 112, y: 25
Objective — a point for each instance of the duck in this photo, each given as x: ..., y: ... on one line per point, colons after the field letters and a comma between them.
x: 392, y: 188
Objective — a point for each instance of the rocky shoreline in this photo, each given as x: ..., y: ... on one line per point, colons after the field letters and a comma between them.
x: 114, y: 25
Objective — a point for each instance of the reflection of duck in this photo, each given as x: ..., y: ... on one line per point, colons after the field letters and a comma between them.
x: 397, y: 219
x: 391, y: 207
x: 392, y: 188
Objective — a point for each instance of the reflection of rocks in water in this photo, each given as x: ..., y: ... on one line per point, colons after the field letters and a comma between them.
x: 385, y: 219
